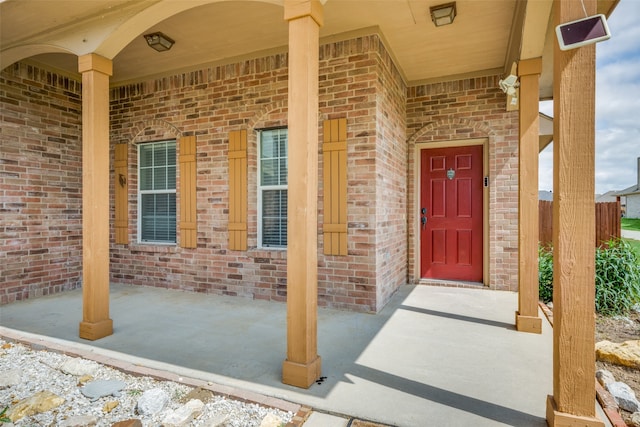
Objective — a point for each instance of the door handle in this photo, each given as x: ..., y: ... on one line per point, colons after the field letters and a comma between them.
x: 423, y: 220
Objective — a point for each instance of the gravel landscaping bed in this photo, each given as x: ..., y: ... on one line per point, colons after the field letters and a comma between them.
x: 44, y: 388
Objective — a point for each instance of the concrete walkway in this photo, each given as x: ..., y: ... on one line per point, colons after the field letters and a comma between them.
x: 630, y: 234
x: 434, y: 356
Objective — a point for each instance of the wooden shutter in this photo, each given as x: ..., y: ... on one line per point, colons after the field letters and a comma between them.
x: 334, y: 150
x: 188, y: 205
x: 238, y: 190
x: 121, y: 194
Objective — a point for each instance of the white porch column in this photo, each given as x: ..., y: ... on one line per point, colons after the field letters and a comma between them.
x: 573, y: 400
x: 95, y: 71
x: 302, y: 365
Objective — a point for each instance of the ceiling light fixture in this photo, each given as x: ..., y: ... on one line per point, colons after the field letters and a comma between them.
x: 159, y: 41
x: 443, y: 14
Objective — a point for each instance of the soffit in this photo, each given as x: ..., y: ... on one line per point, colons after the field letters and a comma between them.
x: 219, y: 31
x: 215, y: 32
x: 28, y: 20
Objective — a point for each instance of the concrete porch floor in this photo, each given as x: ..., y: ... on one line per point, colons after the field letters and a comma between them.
x: 434, y: 356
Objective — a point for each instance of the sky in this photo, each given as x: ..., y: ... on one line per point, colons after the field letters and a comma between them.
x: 617, y: 105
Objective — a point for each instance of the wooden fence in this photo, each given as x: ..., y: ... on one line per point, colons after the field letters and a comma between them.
x: 607, y: 222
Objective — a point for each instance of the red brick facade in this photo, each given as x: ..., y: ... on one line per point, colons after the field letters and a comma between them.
x: 252, y: 95
x: 391, y: 181
x: 40, y: 183
x: 358, y: 81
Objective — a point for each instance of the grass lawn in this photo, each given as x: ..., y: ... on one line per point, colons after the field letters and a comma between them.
x: 630, y: 224
x: 635, y: 245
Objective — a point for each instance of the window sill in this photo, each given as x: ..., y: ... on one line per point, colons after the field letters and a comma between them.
x: 268, y: 253
x: 155, y: 248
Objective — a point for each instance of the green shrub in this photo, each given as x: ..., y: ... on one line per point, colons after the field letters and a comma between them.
x: 617, y: 277
x: 545, y: 274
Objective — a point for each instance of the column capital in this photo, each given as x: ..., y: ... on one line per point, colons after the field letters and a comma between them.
x: 530, y: 66
x: 95, y: 62
x: 294, y: 9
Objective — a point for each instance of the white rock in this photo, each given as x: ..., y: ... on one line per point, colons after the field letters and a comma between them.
x: 605, y: 377
x: 10, y: 378
x: 271, y: 420
x: 101, y: 388
x: 625, y: 397
x: 79, y: 421
x: 152, y: 401
x: 40, y: 370
x: 217, y: 421
x: 79, y: 367
x: 184, y: 414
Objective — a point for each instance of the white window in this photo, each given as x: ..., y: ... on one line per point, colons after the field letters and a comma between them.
x: 272, y: 189
x: 157, y: 192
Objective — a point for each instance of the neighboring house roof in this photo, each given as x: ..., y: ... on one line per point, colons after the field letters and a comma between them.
x: 546, y: 131
x: 545, y: 195
x: 634, y: 189
x: 609, y: 196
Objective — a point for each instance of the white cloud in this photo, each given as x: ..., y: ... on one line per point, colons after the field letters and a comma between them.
x: 625, y: 32
x: 617, y: 105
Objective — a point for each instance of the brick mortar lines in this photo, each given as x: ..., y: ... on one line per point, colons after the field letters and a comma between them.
x: 40, y: 176
x: 352, y: 285
x: 340, y: 60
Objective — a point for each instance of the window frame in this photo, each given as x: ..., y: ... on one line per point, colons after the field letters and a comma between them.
x: 141, y: 192
x: 261, y: 188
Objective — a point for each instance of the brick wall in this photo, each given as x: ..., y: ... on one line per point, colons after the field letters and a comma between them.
x: 40, y: 183
x: 209, y: 104
x: 40, y: 163
x: 252, y: 95
x: 468, y: 109
x: 391, y: 181
x: 348, y: 89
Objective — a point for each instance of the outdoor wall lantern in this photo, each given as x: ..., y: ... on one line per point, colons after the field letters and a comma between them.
x: 159, y: 41
x: 509, y: 84
x: 443, y: 14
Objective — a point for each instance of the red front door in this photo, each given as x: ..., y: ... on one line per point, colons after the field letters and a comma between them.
x: 450, y: 213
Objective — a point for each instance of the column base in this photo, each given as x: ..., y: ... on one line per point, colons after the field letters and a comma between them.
x: 96, y: 330
x: 528, y: 324
x: 299, y: 374
x: 556, y: 418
